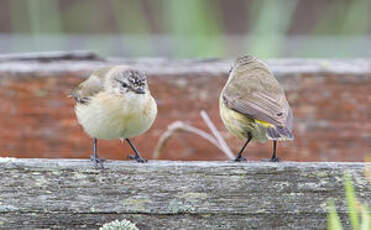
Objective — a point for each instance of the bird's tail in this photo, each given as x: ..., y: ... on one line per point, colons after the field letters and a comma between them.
x: 279, y: 133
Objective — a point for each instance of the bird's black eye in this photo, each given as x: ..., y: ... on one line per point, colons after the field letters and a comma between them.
x: 123, y: 84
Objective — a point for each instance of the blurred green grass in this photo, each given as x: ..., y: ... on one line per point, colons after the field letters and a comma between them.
x: 190, y: 28
x: 359, y: 215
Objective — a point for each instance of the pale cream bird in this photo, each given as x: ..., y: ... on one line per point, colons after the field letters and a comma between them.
x: 115, y: 103
x: 253, y: 105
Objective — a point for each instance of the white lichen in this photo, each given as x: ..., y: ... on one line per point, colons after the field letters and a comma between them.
x: 119, y: 225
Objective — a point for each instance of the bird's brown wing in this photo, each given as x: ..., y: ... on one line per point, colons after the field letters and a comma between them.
x: 254, y: 92
x: 91, y: 86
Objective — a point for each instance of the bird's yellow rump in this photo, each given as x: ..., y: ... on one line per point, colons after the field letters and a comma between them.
x: 253, y: 104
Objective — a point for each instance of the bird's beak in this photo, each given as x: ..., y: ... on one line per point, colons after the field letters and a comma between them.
x: 139, y: 91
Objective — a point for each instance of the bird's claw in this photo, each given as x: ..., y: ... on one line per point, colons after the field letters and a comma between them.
x: 97, y: 161
x: 240, y: 159
x: 137, y: 158
x: 273, y: 159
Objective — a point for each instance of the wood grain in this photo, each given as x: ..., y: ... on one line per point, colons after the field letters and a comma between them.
x: 72, y: 194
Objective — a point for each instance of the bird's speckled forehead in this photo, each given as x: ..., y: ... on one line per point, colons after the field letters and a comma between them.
x: 125, y: 73
x: 135, y: 77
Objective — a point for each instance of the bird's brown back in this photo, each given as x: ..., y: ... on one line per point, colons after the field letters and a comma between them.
x: 253, y: 91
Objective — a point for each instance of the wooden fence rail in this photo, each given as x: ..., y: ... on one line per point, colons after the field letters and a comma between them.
x: 72, y: 194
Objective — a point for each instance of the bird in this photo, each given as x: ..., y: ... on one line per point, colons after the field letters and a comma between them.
x: 253, y: 105
x: 115, y: 103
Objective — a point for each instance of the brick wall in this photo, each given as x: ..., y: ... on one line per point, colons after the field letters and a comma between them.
x: 331, y: 106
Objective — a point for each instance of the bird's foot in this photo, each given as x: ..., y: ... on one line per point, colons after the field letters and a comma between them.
x: 137, y: 158
x: 97, y: 161
x: 239, y: 159
x: 273, y: 159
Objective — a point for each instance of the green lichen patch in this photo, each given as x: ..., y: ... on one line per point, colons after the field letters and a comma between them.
x: 177, y: 206
x: 138, y: 204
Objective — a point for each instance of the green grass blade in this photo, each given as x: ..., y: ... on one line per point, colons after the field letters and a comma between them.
x: 365, y: 224
x: 269, y: 27
x: 196, y: 25
x: 44, y: 17
x: 333, y: 220
x: 351, y: 202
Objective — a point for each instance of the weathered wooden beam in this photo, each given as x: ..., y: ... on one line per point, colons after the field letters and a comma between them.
x: 59, y: 62
x: 72, y: 194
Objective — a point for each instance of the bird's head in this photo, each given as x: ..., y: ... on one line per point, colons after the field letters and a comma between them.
x: 128, y: 80
x: 242, y: 62
x: 248, y: 64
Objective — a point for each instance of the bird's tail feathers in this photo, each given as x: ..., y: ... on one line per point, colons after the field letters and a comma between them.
x: 279, y: 133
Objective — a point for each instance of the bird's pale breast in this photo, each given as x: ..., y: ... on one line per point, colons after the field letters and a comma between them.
x: 112, y: 116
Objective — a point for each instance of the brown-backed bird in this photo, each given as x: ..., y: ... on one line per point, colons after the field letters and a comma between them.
x: 253, y: 105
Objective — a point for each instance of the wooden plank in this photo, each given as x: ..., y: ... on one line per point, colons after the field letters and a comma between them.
x: 72, y: 194
x: 84, y: 62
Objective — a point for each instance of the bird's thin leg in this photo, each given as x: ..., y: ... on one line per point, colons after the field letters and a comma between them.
x: 95, y: 157
x: 274, y: 157
x: 137, y: 157
x: 239, y: 156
